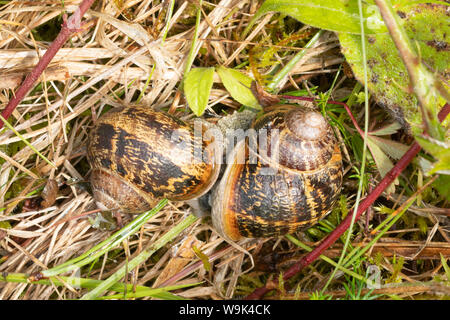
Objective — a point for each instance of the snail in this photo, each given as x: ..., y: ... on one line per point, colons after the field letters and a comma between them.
x: 289, y: 186
x: 139, y: 156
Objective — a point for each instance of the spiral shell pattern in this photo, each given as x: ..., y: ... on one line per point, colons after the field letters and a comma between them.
x: 290, y: 187
x: 148, y: 155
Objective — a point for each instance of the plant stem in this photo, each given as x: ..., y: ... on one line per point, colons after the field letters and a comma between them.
x: 343, y: 226
x: 70, y: 26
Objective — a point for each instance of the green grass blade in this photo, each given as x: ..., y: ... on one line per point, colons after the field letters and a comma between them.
x: 291, y: 64
x: 26, y: 142
x: 363, y: 162
x: 160, y: 293
x: 143, y: 256
x: 75, y: 282
x: 325, y: 258
x: 106, y: 245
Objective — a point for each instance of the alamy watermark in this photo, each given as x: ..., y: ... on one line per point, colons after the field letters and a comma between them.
x: 373, y: 277
x: 212, y: 145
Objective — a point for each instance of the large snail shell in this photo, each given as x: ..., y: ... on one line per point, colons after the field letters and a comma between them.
x: 139, y: 156
x: 289, y: 187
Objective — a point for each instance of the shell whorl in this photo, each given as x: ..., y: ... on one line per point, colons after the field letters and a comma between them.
x: 153, y: 153
x: 305, y: 140
x: 306, y: 125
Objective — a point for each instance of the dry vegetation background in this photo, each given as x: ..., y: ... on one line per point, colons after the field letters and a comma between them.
x: 107, y: 64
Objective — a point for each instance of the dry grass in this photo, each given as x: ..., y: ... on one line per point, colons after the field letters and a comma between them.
x: 107, y: 64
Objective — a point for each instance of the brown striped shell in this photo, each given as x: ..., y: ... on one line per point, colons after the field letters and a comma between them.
x: 290, y: 185
x: 139, y: 156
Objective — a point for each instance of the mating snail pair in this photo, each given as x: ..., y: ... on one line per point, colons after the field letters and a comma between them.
x: 136, y: 161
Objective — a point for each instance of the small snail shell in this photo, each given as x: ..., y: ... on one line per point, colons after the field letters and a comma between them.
x: 289, y: 187
x: 139, y: 156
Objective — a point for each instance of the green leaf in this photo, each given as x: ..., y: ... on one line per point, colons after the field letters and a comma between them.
x: 335, y: 15
x: 238, y: 85
x: 424, y: 164
x: 414, y: 2
x: 441, y: 184
x: 203, y: 257
x: 5, y: 225
x: 388, y: 81
x: 430, y: 145
x: 384, y: 164
x: 386, y: 130
x: 393, y: 149
x: 442, y: 166
x: 197, y: 87
x: 440, y: 151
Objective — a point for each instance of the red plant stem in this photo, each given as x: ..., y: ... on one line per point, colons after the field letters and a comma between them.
x: 69, y: 26
x: 343, y: 226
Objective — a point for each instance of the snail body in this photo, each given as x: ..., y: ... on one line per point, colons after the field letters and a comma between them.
x: 139, y: 156
x: 289, y: 187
